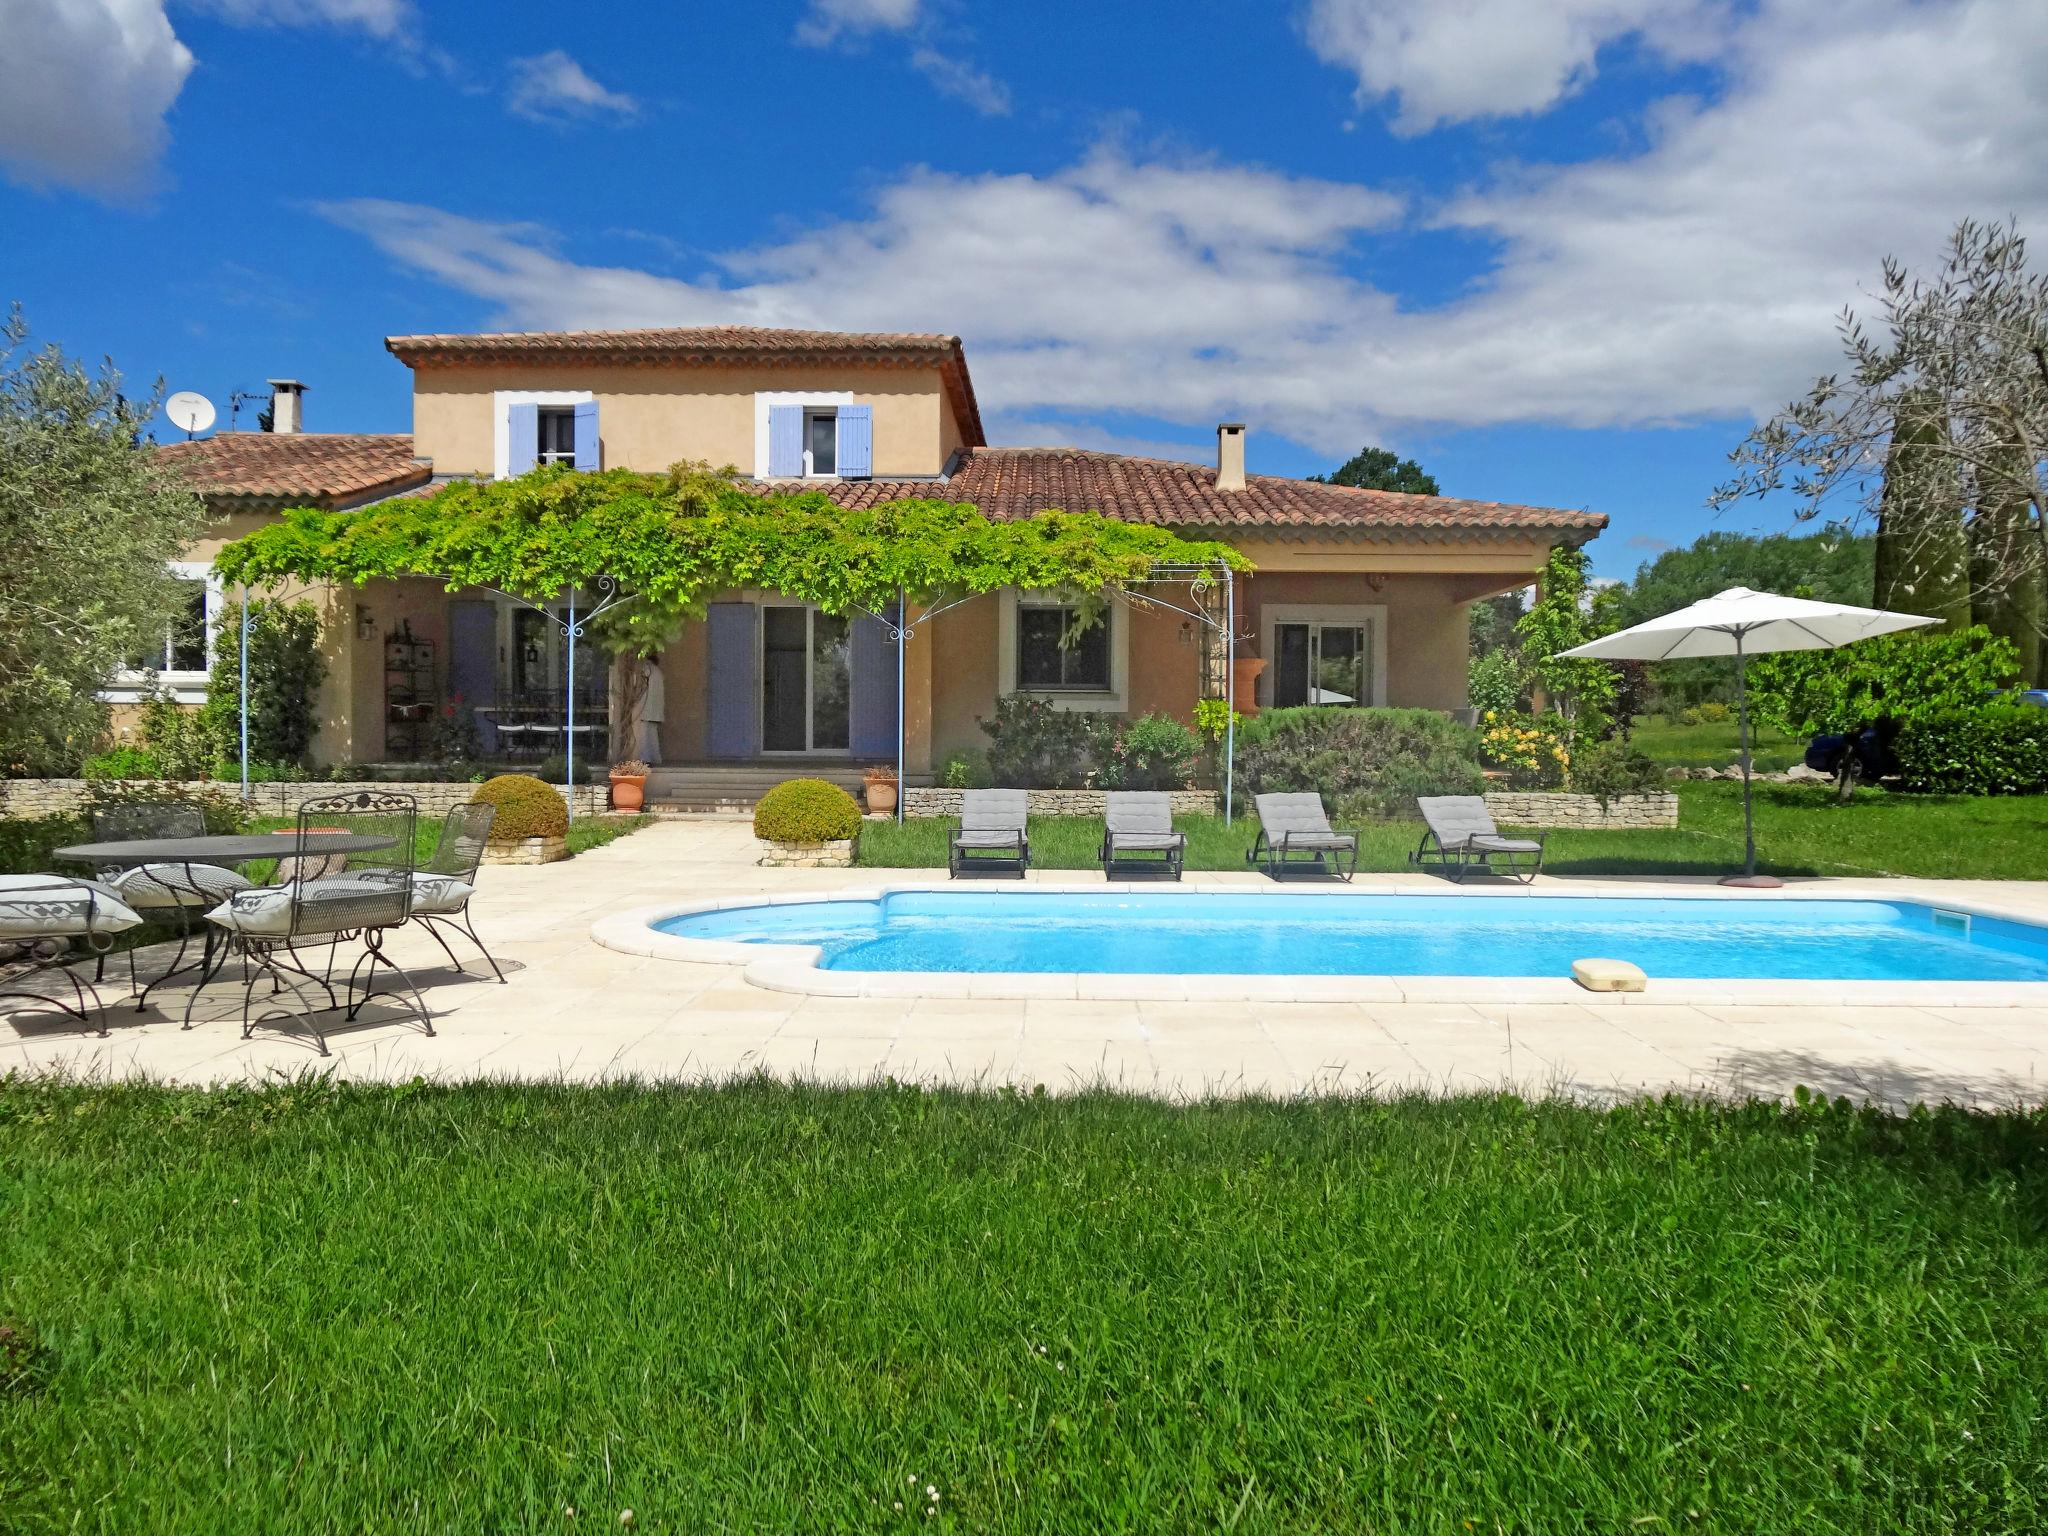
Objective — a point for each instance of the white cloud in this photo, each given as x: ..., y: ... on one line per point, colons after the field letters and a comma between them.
x: 959, y: 79
x: 551, y: 86
x: 1453, y: 60
x: 1695, y: 279
x: 828, y: 20
x: 379, y: 18
x: 88, y: 84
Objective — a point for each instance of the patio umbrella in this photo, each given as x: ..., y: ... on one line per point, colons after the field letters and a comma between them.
x: 1742, y: 623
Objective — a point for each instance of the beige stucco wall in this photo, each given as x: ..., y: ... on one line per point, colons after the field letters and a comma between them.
x: 652, y: 417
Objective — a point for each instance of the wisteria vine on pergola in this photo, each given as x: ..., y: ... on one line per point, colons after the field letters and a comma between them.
x: 669, y: 543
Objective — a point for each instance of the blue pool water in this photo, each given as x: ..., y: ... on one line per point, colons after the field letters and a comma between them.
x: 1187, y: 933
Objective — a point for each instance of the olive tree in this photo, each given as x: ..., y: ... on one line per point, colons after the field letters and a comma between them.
x: 88, y: 520
x: 1937, y: 434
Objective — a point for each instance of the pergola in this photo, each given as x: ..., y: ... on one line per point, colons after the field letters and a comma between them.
x: 655, y: 549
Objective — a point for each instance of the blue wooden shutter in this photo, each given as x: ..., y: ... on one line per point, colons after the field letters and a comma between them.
x: 586, y: 435
x: 732, y: 715
x: 872, y: 706
x: 473, y: 664
x: 856, y: 441
x: 522, y: 438
x: 785, y: 440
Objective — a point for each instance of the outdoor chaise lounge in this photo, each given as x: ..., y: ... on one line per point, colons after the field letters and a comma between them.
x: 991, y: 831
x: 1294, y: 828
x: 1462, y: 830
x: 1141, y: 822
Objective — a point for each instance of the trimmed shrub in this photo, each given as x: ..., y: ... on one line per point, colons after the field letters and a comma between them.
x: 1152, y: 752
x: 1999, y: 749
x: 526, y: 807
x: 1610, y: 769
x: 1363, y: 762
x: 1034, y: 745
x: 806, y: 811
x: 1709, y: 712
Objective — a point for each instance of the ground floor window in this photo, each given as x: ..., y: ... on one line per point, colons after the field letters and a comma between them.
x: 1322, y: 662
x: 1052, y: 655
x: 181, y: 652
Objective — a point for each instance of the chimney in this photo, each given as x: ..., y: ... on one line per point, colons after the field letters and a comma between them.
x: 287, y: 405
x: 1230, y: 456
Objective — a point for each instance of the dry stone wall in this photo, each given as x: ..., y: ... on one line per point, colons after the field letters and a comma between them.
x: 1545, y: 809
x: 23, y: 798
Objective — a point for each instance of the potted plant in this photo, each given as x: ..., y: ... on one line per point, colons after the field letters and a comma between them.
x: 1245, y: 672
x: 629, y: 785
x: 880, y: 781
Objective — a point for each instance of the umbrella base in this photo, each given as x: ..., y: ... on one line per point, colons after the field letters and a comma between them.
x: 1755, y: 882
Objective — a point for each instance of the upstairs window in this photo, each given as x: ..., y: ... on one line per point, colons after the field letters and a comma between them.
x: 557, y: 435
x: 821, y: 442
x: 1047, y: 665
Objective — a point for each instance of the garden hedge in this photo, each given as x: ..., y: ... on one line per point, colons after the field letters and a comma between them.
x: 1999, y: 749
x: 526, y: 807
x: 1363, y: 762
x: 806, y: 811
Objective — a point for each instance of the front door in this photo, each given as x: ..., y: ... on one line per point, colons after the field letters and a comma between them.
x: 806, y: 680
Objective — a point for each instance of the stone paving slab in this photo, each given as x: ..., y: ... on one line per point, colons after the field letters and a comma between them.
x: 576, y: 1010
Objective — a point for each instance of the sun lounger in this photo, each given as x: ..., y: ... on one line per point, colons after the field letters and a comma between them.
x: 991, y: 831
x: 1464, y: 837
x: 1137, y: 822
x: 1295, y: 831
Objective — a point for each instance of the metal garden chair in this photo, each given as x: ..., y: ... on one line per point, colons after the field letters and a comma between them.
x: 441, y: 891
x: 365, y: 899
x: 173, y: 891
x: 41, y: 918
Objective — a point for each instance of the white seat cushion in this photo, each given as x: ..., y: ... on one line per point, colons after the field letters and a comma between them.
x: 439, y: 895
x: 49, y: 906
x: 178, y: 885
x: 265, y: 911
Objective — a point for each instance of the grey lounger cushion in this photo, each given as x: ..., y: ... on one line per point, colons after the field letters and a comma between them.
x: 1463, y: 821
x: 991, y: 818
x: 1299, y: 821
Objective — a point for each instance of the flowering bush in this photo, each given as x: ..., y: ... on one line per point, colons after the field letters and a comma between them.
x: 1151, y: 752
x: 1529, y: 749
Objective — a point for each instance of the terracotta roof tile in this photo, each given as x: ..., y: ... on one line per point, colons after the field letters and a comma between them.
x: 710, y: 344
x: 329, y: 468
x: 1016, y: 482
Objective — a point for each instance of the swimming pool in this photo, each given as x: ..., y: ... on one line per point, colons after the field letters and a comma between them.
x: 1195, y: 933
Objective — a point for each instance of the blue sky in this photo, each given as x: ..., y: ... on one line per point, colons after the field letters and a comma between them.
x: 1562, y: 250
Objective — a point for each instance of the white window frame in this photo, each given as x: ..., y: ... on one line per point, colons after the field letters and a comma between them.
x: 1087, y: 700
x: 130, y: 686
x: 1373, y: 616
x: 811, y: 400
x: 502, y: 401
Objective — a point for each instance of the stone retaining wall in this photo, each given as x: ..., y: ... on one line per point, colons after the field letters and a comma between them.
x: 54, y: 797
x: 928, y: 800
x: 832, y: 855
x: 1546, y: 809
x: 527, y: 850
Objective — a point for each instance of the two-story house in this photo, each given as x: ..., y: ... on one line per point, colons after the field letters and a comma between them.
x: 1359, y: 596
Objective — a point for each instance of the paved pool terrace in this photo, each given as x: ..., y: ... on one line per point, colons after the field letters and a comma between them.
x: 584, y: 1010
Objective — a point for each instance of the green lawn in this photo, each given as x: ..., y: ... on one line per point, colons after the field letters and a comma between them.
x: 1800, y: 831
x: 1715, y: 746
x: 318, y: 1308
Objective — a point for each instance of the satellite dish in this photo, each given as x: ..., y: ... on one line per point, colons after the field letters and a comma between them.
x: 189, y: 411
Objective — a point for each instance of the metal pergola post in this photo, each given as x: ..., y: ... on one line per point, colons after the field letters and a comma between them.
x: 245, y: 693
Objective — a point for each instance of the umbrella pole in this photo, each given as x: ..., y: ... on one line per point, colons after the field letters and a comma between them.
x: 1749, y: 876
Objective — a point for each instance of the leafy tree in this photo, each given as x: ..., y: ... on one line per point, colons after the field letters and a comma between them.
x: 1893, y: 677
x: 89, y: 520
x: 1941, y: 419
x: 1581, y: 690
x: 1381, y: 469
x: 1490, y: 623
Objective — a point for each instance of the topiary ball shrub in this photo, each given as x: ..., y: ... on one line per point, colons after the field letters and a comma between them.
x: 526, y: 807
x: 806, y: 811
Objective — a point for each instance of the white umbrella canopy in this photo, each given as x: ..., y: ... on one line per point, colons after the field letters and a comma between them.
x: 1742, y: 623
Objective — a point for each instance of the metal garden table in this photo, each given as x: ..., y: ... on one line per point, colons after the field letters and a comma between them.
x: 220, y: 852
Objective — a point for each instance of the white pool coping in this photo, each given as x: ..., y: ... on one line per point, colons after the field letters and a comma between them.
x: 795, y: 967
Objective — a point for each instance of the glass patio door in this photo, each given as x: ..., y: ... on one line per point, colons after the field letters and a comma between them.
x: 806, y: 680
x: 1328, y: 664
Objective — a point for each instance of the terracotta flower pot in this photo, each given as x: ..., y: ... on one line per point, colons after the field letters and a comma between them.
x: 1246, y: 683
x: 881, y: 796
x: 629, y: 791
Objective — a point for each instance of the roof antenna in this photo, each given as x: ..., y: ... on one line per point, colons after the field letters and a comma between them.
x: 235, y: 404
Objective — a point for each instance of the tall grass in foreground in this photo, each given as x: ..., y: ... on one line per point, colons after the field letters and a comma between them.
x: 319, y: 1308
